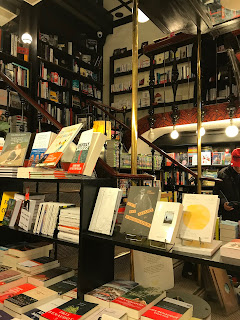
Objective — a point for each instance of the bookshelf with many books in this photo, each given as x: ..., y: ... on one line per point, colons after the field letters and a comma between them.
x: 68, y: 74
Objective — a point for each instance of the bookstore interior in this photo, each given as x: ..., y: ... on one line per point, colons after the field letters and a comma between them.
x: 120, y: 159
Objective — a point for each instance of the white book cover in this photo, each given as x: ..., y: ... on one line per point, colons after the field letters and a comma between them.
x: 60, y: 144
x: 104, y: 312
x: 199, y: 217
x: 151, y: 270
x: 166, y: 220
x: 79, y: 159
x: 40, y: 145
x: 105, y: 210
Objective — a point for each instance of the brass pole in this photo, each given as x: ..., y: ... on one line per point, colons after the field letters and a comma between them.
x: 199, y: 112
x: 134, y: 134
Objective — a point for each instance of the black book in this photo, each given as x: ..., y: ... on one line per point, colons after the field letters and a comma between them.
x: 80, y: 309
x: 139, y: 210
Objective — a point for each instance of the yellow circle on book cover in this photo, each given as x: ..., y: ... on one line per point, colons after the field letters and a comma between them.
x: 196, y: 217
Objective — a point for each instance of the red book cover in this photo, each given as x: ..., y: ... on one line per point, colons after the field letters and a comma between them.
x: 132, y: 304
x: 157, y: 313
x: 16, y: 290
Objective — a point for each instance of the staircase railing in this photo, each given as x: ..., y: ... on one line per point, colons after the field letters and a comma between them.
x: 104, y: 108
x: 59, y: 126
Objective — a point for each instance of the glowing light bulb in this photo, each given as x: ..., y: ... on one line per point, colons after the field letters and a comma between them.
x: 231, y: 131
x: 27, y: 38
x: 202, y: 131
x: 174, y: 134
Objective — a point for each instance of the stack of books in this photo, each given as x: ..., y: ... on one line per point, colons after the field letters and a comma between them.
x: 68, y: 225
x: 47, y: 217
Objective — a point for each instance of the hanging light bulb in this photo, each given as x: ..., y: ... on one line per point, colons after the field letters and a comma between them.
x: 151, y: 135
x: 202, y: 131
x: 231, y: 131
x: 27, y: 38
x: 174, y: 134
x: 142, y: 18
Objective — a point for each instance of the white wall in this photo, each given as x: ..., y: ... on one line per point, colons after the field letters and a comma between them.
x: 121, y: 38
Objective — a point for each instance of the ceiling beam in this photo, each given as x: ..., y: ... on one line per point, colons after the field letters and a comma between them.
x: 120, y: 6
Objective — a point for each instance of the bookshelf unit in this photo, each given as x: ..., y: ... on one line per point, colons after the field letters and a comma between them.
x: 19, y: 71
x: 96, y: 251
x: 67, y: 77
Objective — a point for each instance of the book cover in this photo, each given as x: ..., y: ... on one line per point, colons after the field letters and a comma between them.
x: 139, y: 210
x: 15, y: 149
x: 109, y: 291
x: 166, y: 220
x: 29, y: 249
x: 138, y: 300
x: 65, y: 285
x: 41, y: 143
x: 37, y: 265
x: 4, y: 203
x: 29, y: 299
x: 59, y: 145
x: 105, y: 210
x: 169, y: 308
x: 73, y: 309
x: 199, y: 217
x: 108, y: 314
x: 15, y: 291
x: 9, y: 212
x: 4, y: 275
x: 80, y: 156
x: 42, y: 279
x: 35, y: 313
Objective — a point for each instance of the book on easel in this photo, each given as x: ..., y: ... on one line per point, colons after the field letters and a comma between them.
x: 59, y: 145
x: 15, y: 149
x: 166, y: 220
x: 88, y: 150
x: 139, y: 210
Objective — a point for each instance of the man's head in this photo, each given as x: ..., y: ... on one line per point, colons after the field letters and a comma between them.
x: 235, y: 162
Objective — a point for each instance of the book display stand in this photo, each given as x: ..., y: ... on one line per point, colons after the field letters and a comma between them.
x: 197, y: 247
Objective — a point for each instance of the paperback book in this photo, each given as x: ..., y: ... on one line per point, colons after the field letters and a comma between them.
x: 51, y: 277
x: 15, y: 291
x: 87, y: 152
x: 64, y: 286
x: 15, y: 149
x: 139, y: 210
x: 166, y: 220
x: 59, y: 145
x: 105, y: 210
x: 169, y: 308
x: 73, y: 309
x: 109, y: 291
x: 35, y: 313
x: 28, y: 250
x: 138, y: 300
x: 28, y: 300
x: 37, y: 265
x: 40, y: 145
x: 199, y: 217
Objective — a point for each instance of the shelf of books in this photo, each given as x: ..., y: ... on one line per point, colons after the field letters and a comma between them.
x: 68, y: 74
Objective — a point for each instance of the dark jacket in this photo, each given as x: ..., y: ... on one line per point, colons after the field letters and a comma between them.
x: 230, y: 186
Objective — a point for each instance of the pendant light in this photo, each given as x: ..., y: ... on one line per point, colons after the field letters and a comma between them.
x: 232, y: 130
x: 174, y: 134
